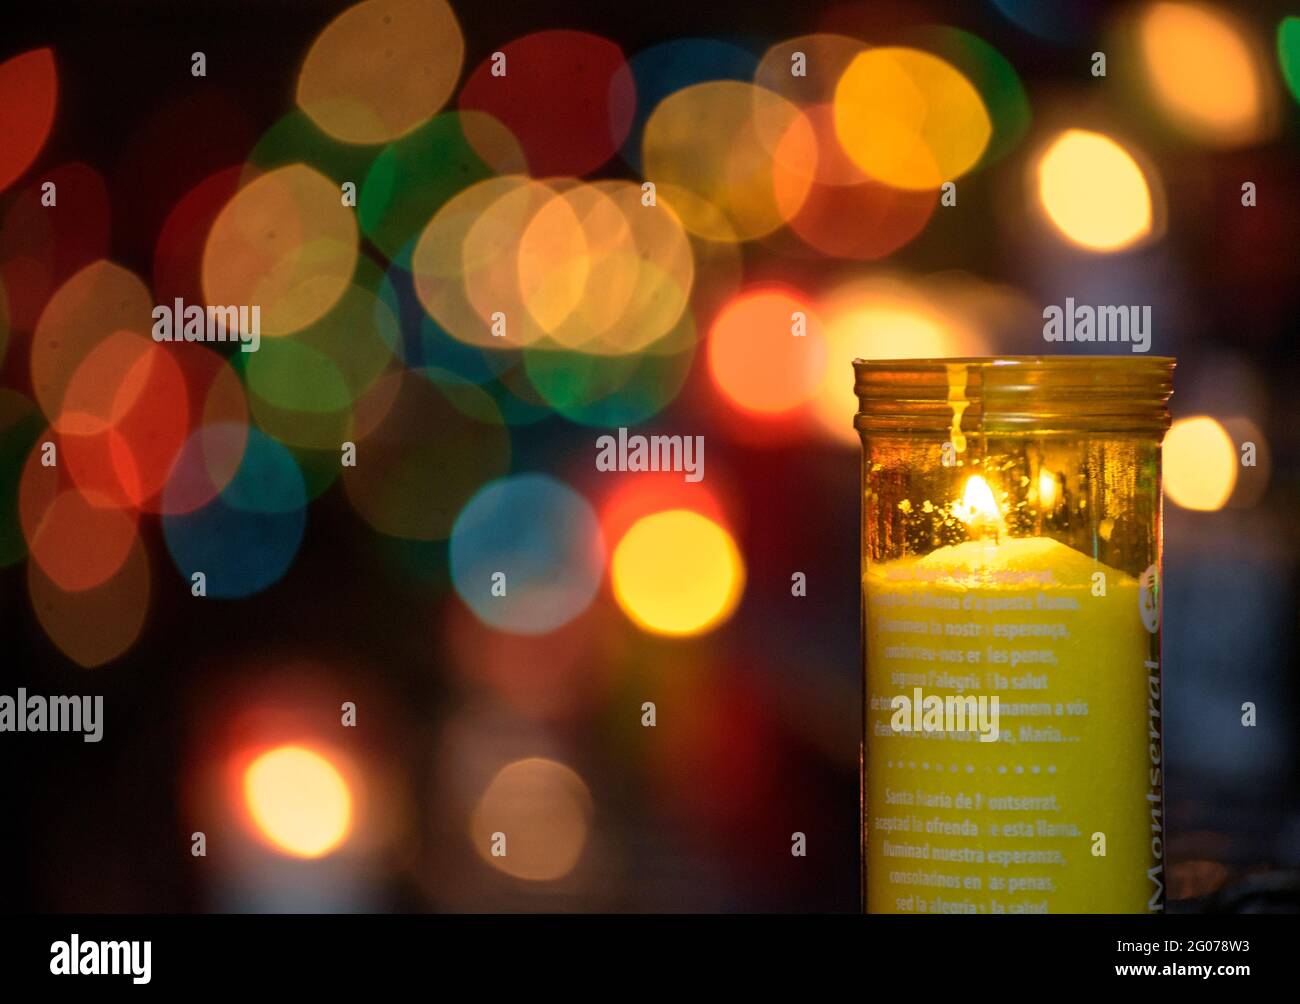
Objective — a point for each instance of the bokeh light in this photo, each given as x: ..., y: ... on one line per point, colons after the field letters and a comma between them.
x: 559, y: 248
x: 884, y: 318
x: 715, y: 151
x: 909, y: 118
x: 590, y: 99
x: 299, y: 801
x: 992, y: 75
x: 1255, y: 469
x: 125, y: 418
x: 806, y: 69
x: 671, y: 66
x: 246, y: 537
x: 101, y: 299
x: 844, y: 213
x: 96, y: 625
x: 543, y: 809
x: 29, y: 87
x: 560, y: 263
x: 414, y: 176
x: 767, y: 352
x: 1094, y: 192
x: 527, y: 554
x: 178, y: 252
x: 296, y: 140
x: 561, y: 676
x: 614, y: 390
x: 39, y: 249
x: 291, y: 389
x: 381, y: 68
x: 302, y: 387
x: 466, y: 262
x: 662, y: 258
x: 285, y: 243
x: 80, y: 541
x: 598, y: 269
x: 211, y: 456
x: 1200, y: 464
x: 1204, y: 73
x: 1288, y: 52
x: 409, y: 482
x: 20, y: 424
x: 677, y: 573
x: 421, y: 343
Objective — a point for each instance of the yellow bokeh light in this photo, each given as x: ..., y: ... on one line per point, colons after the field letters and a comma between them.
x: 491, y: 264
x: 880, y: 319
x: 571, y: 264
x: 910, y: 119
x: 381, y: 68
x: 665, y: 272
x: 715, y: 152
x: 284, y: 243
x: 677, y: 573
x: 556, y: 256
x: 1200, y: 464
x: 299, y: 801
x: 1094, y: 192
x: 1203, y: 73
x: 444, y: 276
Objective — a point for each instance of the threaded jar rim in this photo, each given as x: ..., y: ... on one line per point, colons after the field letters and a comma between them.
x: 1035, y: 395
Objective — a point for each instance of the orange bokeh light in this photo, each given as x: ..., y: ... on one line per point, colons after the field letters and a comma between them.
x: 767, y: 353
x: 125, y: 420
x: 79, y: 541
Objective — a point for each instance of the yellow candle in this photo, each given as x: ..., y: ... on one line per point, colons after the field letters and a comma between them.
x: 1011, y: 539
x: 1062, y: 813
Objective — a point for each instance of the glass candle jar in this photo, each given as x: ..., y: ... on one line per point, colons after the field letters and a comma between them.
x: 1011, y: 538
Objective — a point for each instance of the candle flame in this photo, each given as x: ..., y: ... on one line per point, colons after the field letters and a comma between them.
x: 978, y: 509
x: 978, y: 499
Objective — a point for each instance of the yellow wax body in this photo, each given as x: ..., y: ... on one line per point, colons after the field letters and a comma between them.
x: 954, y: 824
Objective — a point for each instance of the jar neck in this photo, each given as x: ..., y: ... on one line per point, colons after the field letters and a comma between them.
x: 1035, y: 395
